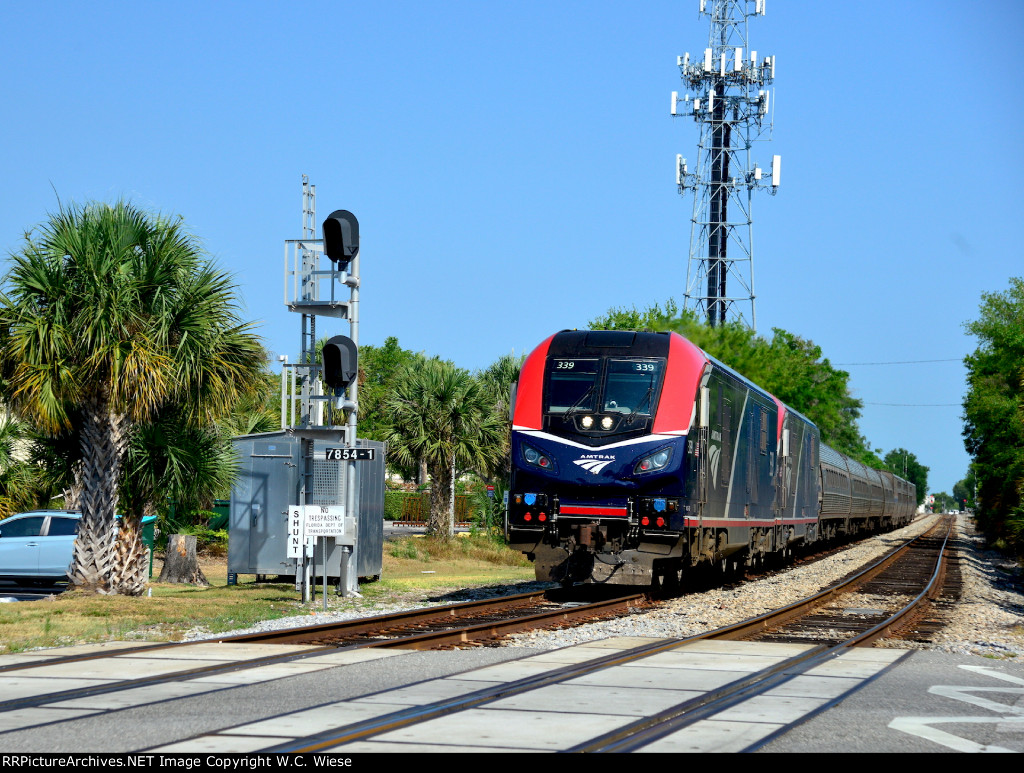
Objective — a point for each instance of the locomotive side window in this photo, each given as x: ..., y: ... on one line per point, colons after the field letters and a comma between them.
x: 571, y: 384
x: 631, y: 386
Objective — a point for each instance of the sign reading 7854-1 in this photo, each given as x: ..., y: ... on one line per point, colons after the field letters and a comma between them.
x: 350, y: 454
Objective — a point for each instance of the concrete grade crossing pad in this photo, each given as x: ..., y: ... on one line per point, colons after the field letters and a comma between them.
x: 857, y: 701
x: 560, y: 716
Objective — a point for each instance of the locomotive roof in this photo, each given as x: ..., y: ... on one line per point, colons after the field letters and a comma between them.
x: 630, y: 343
x: 602, y: 342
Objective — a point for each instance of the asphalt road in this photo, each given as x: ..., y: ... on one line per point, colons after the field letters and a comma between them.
x: 10, y: 591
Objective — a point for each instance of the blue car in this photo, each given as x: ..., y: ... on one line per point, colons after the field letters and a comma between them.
x: 37, y: 546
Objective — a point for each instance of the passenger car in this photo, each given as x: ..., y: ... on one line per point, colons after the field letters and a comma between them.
x: 38, y: 545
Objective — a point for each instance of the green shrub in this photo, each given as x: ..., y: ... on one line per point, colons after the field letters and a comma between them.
x: 393, y: 505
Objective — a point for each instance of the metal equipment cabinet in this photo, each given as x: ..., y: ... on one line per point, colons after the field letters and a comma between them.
x: 269, y: 482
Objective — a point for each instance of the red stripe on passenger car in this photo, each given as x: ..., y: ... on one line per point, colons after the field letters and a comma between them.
x: 685, y: 367
x: 530, y: 390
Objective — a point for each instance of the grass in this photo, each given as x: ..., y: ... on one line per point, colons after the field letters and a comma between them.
x: 415, y: 570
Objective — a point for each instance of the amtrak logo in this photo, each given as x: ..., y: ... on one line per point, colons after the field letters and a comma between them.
x: 716, y: 458
x: 594, y: 464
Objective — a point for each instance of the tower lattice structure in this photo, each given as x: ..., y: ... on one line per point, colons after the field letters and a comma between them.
x: 727, y: 92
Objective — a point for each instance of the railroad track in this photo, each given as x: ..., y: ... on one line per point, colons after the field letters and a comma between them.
x: 909, y: 576
x: 457, y: 624
x: 815, y: 643
x: 427, y: 628
x: 884, y: 597
x: 424, y: 628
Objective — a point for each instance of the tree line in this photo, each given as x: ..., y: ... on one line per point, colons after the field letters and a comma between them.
x: 994, y: 418
x: 126, y: 370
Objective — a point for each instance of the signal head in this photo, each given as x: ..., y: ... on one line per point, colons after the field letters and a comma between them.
x: 341, y: 237
x: 340, y: 362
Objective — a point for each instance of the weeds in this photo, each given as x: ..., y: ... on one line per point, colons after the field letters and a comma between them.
x: 474, y: 547
x: 413, y: 569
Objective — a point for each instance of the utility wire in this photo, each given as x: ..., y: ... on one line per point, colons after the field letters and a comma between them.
x: 920, y: 405
x: 905, y: 362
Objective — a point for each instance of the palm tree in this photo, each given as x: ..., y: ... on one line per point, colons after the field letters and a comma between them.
x: 108, y: 315
x: 259, y: 411
x: 169, y: 460
x: 497, y: 381
x: 440, y: 414
x: 22, y: 485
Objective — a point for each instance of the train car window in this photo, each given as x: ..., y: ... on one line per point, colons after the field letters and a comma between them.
x: 571, y: 383
x: 631, y: 386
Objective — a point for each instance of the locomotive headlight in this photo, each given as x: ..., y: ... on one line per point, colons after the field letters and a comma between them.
x: 587, y: 422
x: 535, y: 457
x: 606, y: 422
x: 656, y: 461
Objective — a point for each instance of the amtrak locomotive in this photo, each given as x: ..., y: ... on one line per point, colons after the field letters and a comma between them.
x: 637, y: 457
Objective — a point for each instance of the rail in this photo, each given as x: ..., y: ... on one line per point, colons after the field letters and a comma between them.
x: 642, y: 732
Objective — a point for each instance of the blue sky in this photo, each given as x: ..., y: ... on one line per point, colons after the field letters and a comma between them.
x: 512, y: 165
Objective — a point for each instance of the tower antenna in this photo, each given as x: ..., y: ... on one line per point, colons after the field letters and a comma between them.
x: 731, y: 103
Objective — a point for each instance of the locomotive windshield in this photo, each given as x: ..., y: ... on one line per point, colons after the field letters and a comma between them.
x: 571, y: 384
x: 630, y: 386
x: 626, y: 386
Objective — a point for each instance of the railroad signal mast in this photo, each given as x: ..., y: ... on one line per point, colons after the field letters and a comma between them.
x: 322, y: 402
x: 727, y: 92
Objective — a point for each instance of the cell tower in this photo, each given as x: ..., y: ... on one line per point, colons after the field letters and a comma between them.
x: 731, y: 103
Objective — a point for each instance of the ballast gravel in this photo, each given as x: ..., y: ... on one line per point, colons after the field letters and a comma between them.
x: 988, y: 620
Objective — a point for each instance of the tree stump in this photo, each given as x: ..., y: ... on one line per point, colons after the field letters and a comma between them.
x: 181, y: 565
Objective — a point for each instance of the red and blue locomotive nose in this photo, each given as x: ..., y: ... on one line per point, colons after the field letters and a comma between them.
x: 547, y: 461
